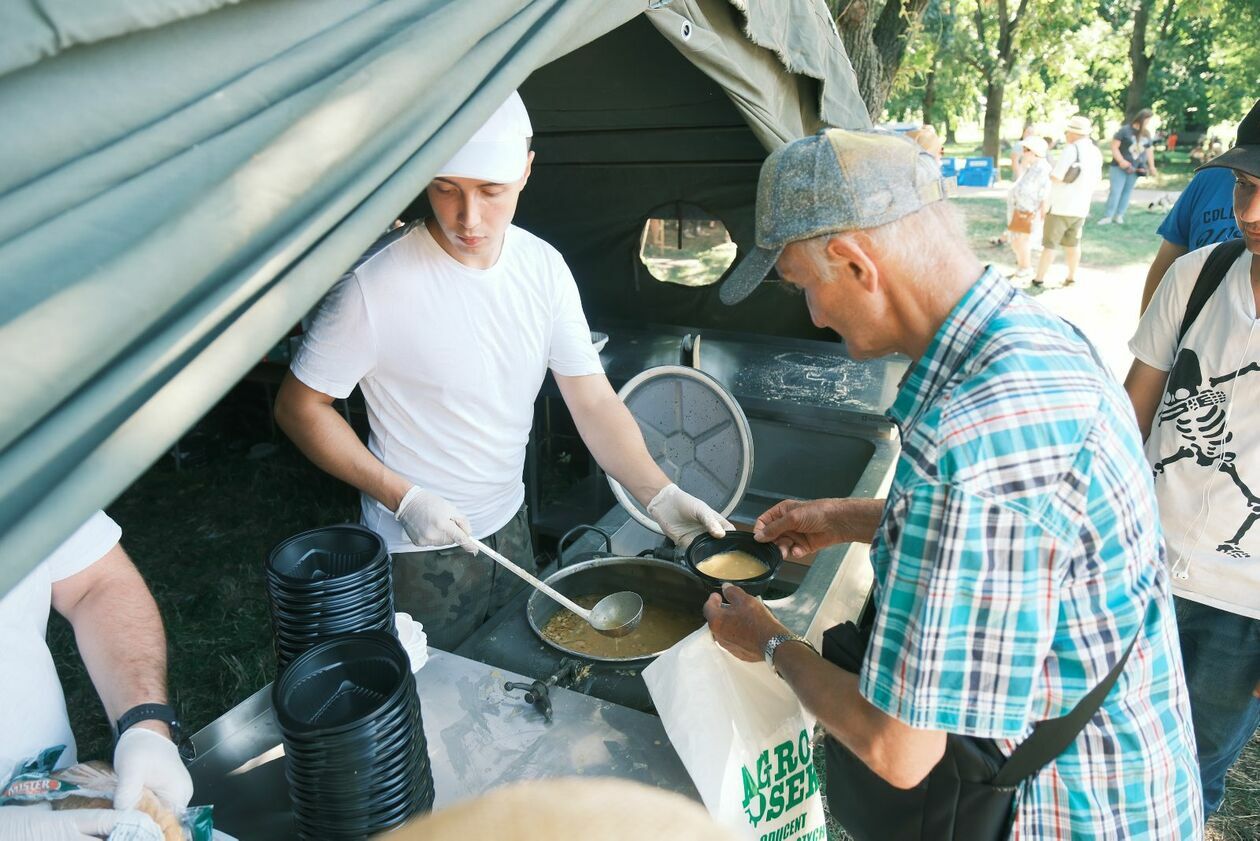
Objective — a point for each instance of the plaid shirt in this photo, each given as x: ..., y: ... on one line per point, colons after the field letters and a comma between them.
x: 1018, y: 556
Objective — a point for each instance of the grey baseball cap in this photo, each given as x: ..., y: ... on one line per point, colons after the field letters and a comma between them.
x: 836, y: 180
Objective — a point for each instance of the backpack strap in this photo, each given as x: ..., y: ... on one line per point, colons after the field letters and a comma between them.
x: 1051, y: 737
x: 1210, y: 277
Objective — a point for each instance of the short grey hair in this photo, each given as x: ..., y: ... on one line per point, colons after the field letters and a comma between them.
x: 914, y: 242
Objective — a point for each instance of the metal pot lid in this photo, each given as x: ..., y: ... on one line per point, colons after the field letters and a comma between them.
x: 696, y: 433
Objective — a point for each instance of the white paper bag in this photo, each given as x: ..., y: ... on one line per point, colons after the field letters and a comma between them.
x: 743, y: 737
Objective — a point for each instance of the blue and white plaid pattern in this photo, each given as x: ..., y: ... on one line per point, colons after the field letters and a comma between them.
x: 1019, y: 554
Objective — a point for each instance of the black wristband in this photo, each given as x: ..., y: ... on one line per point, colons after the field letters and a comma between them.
x: 164, y: 713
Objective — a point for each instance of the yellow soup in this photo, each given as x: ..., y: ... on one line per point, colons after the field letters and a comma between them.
x: 732, y: 566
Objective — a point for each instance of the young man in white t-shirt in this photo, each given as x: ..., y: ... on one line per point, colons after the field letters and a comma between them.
x: 1197, y: 401
x: 89, y: 580
x: 449, y: 325
x: 1069, y: 201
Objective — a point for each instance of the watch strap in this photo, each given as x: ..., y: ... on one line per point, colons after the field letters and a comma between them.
x: 772, y: 645
x: 164, y: 713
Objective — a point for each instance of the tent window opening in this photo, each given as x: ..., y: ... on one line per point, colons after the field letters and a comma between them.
x: 684, y: 244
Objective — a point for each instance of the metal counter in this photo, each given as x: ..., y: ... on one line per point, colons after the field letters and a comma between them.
x: 479, y: 739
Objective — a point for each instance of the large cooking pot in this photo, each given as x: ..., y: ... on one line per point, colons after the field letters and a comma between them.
x: 658, y: 582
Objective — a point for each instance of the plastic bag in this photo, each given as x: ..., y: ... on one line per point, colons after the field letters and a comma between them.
x: 743, y: 737
x: 90, y: 785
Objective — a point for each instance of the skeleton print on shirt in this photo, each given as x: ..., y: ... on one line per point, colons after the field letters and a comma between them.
x: 1198, y: 411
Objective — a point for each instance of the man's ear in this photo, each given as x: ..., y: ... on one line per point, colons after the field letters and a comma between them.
x: 529, y: 167
x: 850, y: 257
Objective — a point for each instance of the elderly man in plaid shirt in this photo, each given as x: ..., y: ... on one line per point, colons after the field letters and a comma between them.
x: 1018, y: 553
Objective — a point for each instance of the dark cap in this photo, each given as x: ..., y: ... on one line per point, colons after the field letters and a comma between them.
x: 1245, y: 156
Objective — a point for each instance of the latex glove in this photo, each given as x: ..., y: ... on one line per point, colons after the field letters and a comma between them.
x: 145, y: 759
x: 683, y: 518
x: 32, y: 823
x: 430, y: 520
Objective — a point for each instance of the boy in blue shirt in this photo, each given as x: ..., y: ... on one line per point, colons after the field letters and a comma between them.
x: 1203, y: 214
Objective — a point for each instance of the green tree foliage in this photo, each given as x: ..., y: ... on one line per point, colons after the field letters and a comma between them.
x: 1078, y: 55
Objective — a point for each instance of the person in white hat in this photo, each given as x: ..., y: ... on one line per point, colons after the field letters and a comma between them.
x: 1075, y: 176
x: 449, y: 325
x: 1028, y: 195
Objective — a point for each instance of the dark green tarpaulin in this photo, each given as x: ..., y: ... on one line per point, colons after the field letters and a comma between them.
x: 180, y: 180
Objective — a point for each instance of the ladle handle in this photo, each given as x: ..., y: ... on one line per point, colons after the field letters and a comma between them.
x: 546, y: 588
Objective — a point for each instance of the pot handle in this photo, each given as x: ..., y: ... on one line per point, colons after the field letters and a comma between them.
x: 576, y: 530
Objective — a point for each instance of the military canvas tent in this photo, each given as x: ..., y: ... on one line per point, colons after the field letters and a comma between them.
x: 180, y: 180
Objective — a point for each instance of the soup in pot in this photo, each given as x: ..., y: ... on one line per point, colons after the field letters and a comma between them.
x: 660, y: 628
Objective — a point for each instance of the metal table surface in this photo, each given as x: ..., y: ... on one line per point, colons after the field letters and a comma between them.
x: 479, y: 739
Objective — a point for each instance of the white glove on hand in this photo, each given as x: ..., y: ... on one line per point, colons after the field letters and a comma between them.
x: 683, y: 518
x: 430, y: 520
x: 144, y: 759
x: 32, y: 823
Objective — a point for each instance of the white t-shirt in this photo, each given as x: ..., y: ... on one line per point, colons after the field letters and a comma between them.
x: 1074, y: 199
x: 32, y: 706
x: 450, y: 360
x: 1206, y: 513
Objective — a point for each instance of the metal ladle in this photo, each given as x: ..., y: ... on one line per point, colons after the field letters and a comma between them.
x: 613, y: 616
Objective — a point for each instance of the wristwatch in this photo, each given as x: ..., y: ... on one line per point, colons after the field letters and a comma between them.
x: 772, y: 645
x: 164, y: 713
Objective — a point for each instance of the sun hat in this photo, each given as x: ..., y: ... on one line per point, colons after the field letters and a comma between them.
x: 1081, y: 125
x: 1036, y: 145
x: 833, y: 181
x: 500, y: 148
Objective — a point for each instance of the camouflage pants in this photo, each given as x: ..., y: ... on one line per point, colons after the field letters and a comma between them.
x: 452, y: 592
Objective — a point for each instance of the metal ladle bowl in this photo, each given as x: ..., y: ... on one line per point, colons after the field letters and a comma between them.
x: 612, y: 616
x: 618, y: 614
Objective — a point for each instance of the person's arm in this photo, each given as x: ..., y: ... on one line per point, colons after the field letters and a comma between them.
x: 1164, y: 258
x: 1116, y: 156
x: 119, y: 633
x: 611, y: 434
x: 800, y: 528
x: 1150, y: 161
x: 1145, y: 387
x: 309, y: 419
x: 901, y: 755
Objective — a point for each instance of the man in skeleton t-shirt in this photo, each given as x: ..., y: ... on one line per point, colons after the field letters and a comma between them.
x: 1197, y: 401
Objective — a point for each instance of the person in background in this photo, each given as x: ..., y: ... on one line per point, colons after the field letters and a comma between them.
x: 1132, y: 156
x: 1018, y: 553
x: 1073, y: 179
x: 1202, y: 215
x: 929, y: 141
x: 1196, y: 397
x: 90, y: 581
x: 1027, y: 198
x: 449, y: 325
x: 1018, y: 151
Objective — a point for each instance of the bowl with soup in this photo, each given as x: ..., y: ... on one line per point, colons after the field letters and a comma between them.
x: 737, y: 557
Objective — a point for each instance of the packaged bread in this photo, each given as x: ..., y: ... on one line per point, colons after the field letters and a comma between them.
x: 97, y: 778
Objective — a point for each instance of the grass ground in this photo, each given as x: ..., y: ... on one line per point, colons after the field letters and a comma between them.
x: 200, y: 535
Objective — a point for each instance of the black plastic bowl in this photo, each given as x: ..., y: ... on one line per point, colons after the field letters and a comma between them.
x: 706, y: 546
x: 346, y: 551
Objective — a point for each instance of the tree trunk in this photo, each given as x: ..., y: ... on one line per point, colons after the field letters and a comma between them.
x: 1139, y: 59
x: 950, y: 136
x: 994, y: 91
x: 929, y: 97
x: 875, y: 34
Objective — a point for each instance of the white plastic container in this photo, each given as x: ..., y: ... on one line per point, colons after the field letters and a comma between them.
x: 414, y: 640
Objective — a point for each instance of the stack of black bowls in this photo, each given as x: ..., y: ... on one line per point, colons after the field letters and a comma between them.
x: 356, y: 757
x: 325, y: 582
